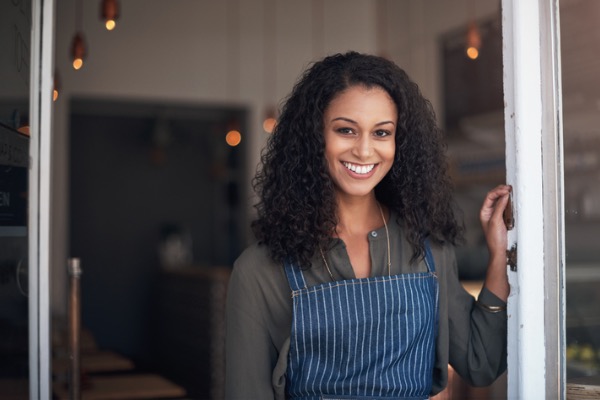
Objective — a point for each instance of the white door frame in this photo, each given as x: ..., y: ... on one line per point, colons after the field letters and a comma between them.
x: 42, y: 66
x: 533, y: 115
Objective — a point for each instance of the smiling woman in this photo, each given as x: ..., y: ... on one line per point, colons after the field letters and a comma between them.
x: 359, y: 149
x: 352, y: 287
x: 359, y: 141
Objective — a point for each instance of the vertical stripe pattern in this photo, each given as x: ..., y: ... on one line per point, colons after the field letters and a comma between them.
x: 371, y: 338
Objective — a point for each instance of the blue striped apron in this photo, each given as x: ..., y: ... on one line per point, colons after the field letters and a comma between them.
x: 369, y: 338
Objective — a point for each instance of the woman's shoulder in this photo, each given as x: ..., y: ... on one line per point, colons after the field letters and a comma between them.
x: 445, y: 259
x: 444, y: 250
x: 256, y: 265
x: 255, y: 253
x: 258, y: 287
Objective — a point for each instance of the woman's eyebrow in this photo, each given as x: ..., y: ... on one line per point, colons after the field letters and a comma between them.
x: 356, y: 123
x: 385, y: 123
x: 344, y: 119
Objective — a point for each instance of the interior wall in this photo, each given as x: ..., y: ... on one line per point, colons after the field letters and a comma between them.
x: 247, y: 53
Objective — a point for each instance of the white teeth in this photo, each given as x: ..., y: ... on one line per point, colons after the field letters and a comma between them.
x: 359, y: 169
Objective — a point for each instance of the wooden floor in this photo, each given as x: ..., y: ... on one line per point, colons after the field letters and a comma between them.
x: 584, y: 388
x: 126, y: 386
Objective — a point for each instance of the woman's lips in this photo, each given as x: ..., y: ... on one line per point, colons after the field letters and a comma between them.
x: 360, y: 170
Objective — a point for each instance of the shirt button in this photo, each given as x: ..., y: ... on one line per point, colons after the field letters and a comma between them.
x: 374, y: 234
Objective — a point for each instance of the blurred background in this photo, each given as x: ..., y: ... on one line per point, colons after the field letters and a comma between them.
x: 158, y: 124
x: 157, y: 203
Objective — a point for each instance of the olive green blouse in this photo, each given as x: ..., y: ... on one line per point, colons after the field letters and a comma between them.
x: 259, y: 316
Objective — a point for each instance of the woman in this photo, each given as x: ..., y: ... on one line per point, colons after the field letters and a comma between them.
x: 352, y: 288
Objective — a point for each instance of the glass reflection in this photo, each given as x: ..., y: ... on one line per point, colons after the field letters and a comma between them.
x: 580, y: 44
x: 15, y: 46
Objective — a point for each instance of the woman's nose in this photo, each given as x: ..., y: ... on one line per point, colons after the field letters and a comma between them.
x: 363, y: 147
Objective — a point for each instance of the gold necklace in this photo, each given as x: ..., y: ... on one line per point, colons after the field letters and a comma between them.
x: 387, y: 235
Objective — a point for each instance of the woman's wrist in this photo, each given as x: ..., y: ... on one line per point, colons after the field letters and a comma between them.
x: 496, y: 280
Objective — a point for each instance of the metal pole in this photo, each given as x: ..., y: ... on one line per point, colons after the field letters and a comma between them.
x: 74, y: 268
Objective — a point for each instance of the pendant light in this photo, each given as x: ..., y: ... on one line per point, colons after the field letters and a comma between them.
x: 233, y: 138
x: 56, y: 84
x: 78, y: 50
x: 110, y: 13
x: 234, y: 135
x: 270, y: 120
x: 473, y: 41
x: 270, y: 65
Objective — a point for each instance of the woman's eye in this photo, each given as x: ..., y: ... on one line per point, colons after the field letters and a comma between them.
x: 345, y: 131
x: 382, y: 133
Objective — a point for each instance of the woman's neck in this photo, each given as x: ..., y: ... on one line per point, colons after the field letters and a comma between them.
x: 358, y: 215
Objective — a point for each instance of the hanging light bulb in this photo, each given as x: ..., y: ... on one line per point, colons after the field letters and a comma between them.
x: 110, y: 13
x: 233, y: 138
x: 270, y: 120
x: 78, y: 51
x: 234, y: 135
x: 56, y: 89
x: 473, y: 41
x: 269, y: 124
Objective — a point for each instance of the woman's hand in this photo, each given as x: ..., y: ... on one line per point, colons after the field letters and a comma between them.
x: 492, y: 220
x: 494, y: 229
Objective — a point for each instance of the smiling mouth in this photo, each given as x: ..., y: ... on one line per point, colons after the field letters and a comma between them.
x: 359, y: 169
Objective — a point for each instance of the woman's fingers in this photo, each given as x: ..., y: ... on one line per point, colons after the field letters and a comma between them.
x: 492, y: 207
x: 492, y: 220
x: 494, y: 229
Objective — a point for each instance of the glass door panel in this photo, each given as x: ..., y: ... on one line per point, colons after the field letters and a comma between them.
x: 580, y: 46
x: 15, y: 54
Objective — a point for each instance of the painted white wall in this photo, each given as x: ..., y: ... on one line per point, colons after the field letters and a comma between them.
x: 215, y: 52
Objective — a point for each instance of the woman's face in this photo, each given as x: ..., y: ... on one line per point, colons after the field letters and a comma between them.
x: 359, y: 130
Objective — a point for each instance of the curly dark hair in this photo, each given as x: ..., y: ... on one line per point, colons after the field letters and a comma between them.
x: 297, y: 206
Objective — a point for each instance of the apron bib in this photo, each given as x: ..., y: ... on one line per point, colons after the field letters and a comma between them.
x: 369, y: 338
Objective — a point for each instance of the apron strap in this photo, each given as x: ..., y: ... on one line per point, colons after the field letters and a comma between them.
x: 429, y: 257
x: 431, y: 267
x: 294, y: 275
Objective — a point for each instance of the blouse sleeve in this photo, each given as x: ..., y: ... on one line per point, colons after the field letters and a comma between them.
x: 255, y: 299
x: 477, y: 337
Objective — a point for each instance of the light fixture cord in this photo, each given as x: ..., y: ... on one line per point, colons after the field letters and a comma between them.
x: 233, y: 48
x: 78, y: 15
x: 270, y: 51
x: 318, y: 21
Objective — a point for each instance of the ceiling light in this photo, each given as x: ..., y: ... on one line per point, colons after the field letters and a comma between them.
x: 78, y: 51
x: 56, y: 88
x: 233, y: 138
x: 473, y: 41
x: 110, y: 13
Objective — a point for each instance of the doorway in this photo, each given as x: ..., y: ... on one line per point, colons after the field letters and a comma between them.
x: 154, y: 189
